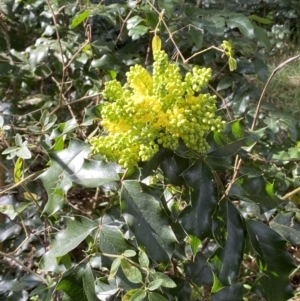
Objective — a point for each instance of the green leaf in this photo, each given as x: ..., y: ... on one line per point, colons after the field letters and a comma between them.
x: 232, y: 63
x: 273, y: 260
x: 9, y: 210
x: 147, y: 221
x: 260, y: 19
x: 18, y: 172
x: 95, y: 173
x: 106, y: 62
x: 198, y: 271
x: 133, y: 22
x: 23, y: 152
x: 139, y: 295
x: 63, y: 164
x: 217, y: 285
x: 132, y: 273
x: 256, y: 190
x: 156, y: 297
x: 167, y: 281
x: 129, y: 253
x: 112, y: 240
x: 242, y: 23
x: 137, y: 31
x: 197, y: 218
x: 195, y: 243
x: 168, y: 6
x: 114, y: 268
x: 143, y: 259
x: 197, y: 36
x: 18, y: 140
x: 78, y: 284
x: 215, y: 24
x: 288, y: 226
x: 89, y: 284
x: 235, y: 243
x: 234, y: 292
x: 261, y: 69
x: 155, y: 284
x: 261, y: 35
x: 79, y: 18
x: 66, y: 240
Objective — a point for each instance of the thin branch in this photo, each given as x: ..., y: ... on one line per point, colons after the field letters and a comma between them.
x: 24, y: 267
x: 238, y: 159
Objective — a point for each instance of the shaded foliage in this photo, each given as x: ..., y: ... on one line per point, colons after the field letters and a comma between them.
x: 179, y: 227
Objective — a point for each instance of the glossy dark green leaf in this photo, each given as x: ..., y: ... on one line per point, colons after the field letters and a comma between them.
x: 235, y: 243
x: 261, y: 35
x: 276, y: 266
x: 147, y: 221
x: 78, y: 284
x: 242, y: 23
x: 256, y: 190
x: 261, y: 69
x: 196, y: 219
x: 63, y: 164
x: 233, y: 292
x: 112, y: 240
x: 168, y: 6
x: 197, y: 36
x: 66, y: 240
x: 138, y: 31
x: 133, y: 22
x: 172, y: 167
x: 106, y: 62
x: 288, y: 226
x: 199, y: 271
x: 95, y: 173
x: 215, y: 24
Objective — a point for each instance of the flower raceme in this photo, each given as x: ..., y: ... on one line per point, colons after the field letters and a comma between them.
x: 149, y: 111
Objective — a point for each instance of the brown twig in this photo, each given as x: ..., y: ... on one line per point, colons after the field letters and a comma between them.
x: 239, y: 161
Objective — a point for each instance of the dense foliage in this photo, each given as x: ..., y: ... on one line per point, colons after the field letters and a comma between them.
x: 203, y: 212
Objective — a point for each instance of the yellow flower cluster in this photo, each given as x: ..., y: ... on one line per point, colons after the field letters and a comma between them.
x: 149, y: 111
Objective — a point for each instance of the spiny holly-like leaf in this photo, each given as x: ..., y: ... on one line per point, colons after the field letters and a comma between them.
x: 256, y: 190
x: 198, y: 270
x: 287, y: 225
x: 197, y: 218
x: 63, y: 164
x: 95, y: 173
x: 66, y: 240
x: 274, y: 261
x: 147, y: 221
x: 235, y: 243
